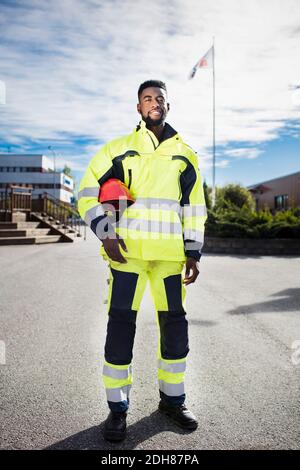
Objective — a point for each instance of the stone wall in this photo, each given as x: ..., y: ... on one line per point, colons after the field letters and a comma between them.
x: 247, y: 246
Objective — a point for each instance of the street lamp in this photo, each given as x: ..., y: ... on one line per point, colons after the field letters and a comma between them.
x: 54, y: 168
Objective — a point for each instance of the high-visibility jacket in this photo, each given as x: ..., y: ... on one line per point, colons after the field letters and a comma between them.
x: 166, y: 222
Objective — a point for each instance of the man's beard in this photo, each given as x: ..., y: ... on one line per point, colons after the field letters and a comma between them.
x: 154, y: 122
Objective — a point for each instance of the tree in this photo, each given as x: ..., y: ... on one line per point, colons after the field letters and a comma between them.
x: 67, y: 170
x: 234, y: 195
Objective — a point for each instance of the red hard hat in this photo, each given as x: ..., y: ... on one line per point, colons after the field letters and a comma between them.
x: 114, y: 190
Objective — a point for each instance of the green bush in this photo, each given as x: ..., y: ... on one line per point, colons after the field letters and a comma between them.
x: 207, y: 195
x: 288, y: 216
x: 284, y: 230
x: 234, y: 216
x: 221, y: 226
x: 262, y: 217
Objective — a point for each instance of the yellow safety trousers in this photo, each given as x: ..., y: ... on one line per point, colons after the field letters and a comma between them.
x: 127, y: 283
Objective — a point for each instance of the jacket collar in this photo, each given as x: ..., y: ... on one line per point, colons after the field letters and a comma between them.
x: 168, y: 131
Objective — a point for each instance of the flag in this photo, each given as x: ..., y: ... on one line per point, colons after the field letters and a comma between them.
x: 205, y: 62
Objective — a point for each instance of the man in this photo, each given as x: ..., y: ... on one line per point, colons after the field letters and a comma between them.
x: 157, y: 235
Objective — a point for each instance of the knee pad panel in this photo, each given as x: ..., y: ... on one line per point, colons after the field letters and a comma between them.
x: 120, y: 336
x: 173, y: 334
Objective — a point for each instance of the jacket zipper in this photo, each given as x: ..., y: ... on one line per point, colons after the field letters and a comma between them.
x: 130, y: 177
x: 152, y: 141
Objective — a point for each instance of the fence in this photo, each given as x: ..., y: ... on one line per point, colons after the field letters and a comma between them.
x: 14, y: 199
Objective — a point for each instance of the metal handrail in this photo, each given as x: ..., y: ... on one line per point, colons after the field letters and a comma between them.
x: 65, y: 214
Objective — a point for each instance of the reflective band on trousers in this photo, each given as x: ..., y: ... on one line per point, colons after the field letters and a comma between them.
x: 89, y: 192
x: 116, y: 373
x: 194, y: 211
x: 173, y: 390
x: 118, y: 394
x: 149, y: 226
x: 92, y: 213
x: 174, y: 367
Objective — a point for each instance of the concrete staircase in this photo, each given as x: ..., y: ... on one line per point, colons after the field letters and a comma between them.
x: 68, y: 233
x: 19, y: 233
x: 41, y: 228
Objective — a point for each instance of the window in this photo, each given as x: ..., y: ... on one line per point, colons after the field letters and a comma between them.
x: 281, y: 202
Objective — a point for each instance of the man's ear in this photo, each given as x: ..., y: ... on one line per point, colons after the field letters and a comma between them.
x: 168, y: 107
x: 138, y: 107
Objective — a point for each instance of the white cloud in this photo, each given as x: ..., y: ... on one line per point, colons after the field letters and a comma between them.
x: 243, y: 152
x: 2, y: 93
x: 222, y: 163
x: 75, y: 164
x: 72, y: 69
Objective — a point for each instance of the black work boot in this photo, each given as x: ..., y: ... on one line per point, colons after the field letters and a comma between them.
x: 115, y: 426
x: 179, y: 414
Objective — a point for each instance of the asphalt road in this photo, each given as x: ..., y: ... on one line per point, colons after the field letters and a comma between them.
x: 242, y: 377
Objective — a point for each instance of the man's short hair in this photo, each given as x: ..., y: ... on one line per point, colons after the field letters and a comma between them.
x: 151, y: 83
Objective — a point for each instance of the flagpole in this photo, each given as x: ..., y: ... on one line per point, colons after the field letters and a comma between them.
x: 214, y: 129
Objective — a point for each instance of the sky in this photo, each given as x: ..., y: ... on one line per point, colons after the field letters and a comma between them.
x: 70, y: 70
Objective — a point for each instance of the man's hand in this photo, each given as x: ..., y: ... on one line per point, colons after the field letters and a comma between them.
x: 111, y: 246
x: 190, y: 265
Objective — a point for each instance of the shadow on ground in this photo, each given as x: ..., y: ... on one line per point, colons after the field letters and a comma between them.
x: 191, y: 322
x: 289, y: 301
x: 143, y: 430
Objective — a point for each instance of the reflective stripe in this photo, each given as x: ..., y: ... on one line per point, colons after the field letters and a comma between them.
x: 142, y: 225
x: 92, y: 213
x: 89, y: 192
x: 157, y: 204
x: 118, y: 394
x: 173, y: 390
x: 194, y: 211
x: 116, y: 373
x: 195, y: 235
x: 174, y: 367
x: 156, y: 200
x: 193, y: 245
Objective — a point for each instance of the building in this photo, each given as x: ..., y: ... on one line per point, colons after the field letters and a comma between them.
x: 35, y: 170
x: 278, y: 193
